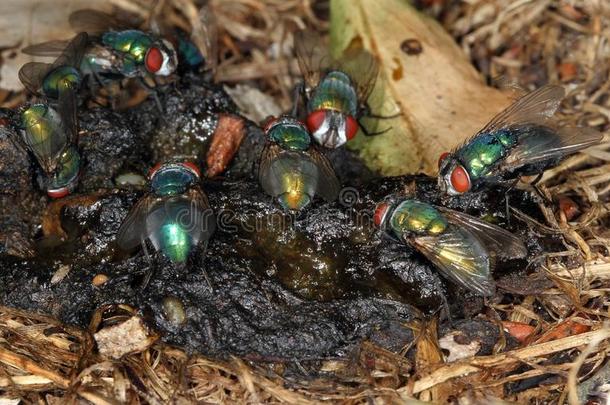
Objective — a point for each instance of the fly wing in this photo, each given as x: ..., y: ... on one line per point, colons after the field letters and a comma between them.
x: 68, y: 113
x: 362, y: 68
x: 32, y: 74
x: 312, y: 56
x: 47, y: 139
x: 546, y: 143
x: 95, y: 22
x: 133, y: 229
x: 277, y: 163
x: 503, y: 243
x: 203, y: 219
x: 461, y: 257
x: 50, y: 48
x: 269, y: 155
x: 74, y: 51
x: 209, y: 35
x: 10, y: 133
x: 328, y: 184
x: 535, y: 107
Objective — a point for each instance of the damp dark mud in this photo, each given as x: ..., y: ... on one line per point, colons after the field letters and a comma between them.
x: 270, y: 284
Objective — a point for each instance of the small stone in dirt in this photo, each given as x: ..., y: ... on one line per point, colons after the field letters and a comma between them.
x: 457, y: 347
x: 173, y: 309
x: 131, y: 336
x: 60, y: 274
x: 99, y: 279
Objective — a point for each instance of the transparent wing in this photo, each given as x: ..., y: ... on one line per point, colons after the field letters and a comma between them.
x: 73, y: 52
x: 190, y: 212
x: 362, y: 68
x: 50, y: 48
x: 32, y: 74
x: 544, y: 143
x: 208, y: 32
x: 68, y: 113
x: 461, y: 257
x: 312, y: 56
x: 95, y: 22
x: 46, y: 139
x: 328, y: 184
x: 205, y: 223
x: 133, y: 229
x: 535, y: 107
x: 10, y: 133
x: 279, y: 167
x: 503, y: 243
x: 269, y: 155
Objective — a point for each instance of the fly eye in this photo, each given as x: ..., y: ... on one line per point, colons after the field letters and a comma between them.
x: 192, y: 167
x: 441, y: 158
x: 58, y: 193
x: 460, y: 180
x: 269, y: 123
x: 380, y: 212
x: 154, y: 170
x: 315, y: 120
x: 154, y: 60
x: 351, y: 127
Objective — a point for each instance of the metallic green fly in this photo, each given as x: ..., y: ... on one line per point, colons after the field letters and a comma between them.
x: 50, y: 135
x: 60, y: 78
x: 520, y: 141
x: 336, y: 90
x: 291, y: 169
x: 114, y: 50
x: 462, y: 248
x: 175, y: 215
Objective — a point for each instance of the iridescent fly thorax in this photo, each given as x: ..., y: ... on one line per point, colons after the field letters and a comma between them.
x: 133, y: 42
x: 172, y: 179
x: 419, y: 218
x: 481, y: 155
x: 335, y: 92
x: 289, y: 134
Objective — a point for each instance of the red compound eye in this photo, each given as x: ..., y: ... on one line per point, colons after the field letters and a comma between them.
x: 351, y: 127
x: 153, y: 60
x: 315, y: 120
x: 154, y: 170
x: 460, y: 180
x: 380, y: 212
x: 269, y: 123
x: 441, y: 158
x: 193, y: 167
x: 58, y: 193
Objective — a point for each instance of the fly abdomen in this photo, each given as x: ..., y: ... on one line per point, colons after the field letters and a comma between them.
x: 417, y: 218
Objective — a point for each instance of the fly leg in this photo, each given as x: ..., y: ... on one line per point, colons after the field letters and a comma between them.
x: 153, y: 92
x: 366, y: 112
x: 150, y: 271
x: 297, y: 93
x: 367, y: 133
x: 534, y: 185
x: 506, y: 203
x: 205, y: 273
